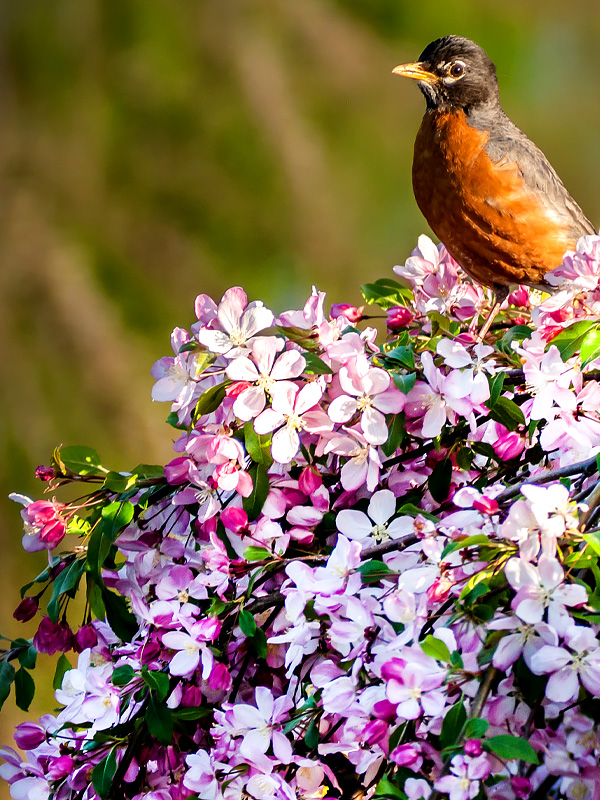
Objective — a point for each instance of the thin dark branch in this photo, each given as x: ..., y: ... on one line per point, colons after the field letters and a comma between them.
x: 546, y: 477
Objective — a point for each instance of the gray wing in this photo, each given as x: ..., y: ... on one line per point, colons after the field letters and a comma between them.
x: 509, y: 144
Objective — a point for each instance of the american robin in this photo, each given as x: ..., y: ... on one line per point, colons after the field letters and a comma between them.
x: 487, y: 192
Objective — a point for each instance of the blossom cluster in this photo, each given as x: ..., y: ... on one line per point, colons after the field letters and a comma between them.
x: 371, y: 564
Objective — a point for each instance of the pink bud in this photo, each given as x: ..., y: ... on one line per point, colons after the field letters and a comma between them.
x: 53, y: 637
x: 29, y: 735
x: 374, y: 731
x: 309, y: 481
x: 85, y: 637
x: 408, y: 755
x: 521, y: 787
x: 509, y: 445
x: 398, y: 317
x: 520, y: 297
x: 383, y: 709
x: 473, y: 747
x: 177, y: 470
x: 45, y: 473
x: 191, y: 697
x: 60, y: 767
x: 219, y: 678
x: 26, y: 609
x: 487, y: 505
x: 352, y: 313
x: 235, y: 519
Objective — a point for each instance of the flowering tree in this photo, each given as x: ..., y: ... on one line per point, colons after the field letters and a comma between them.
x: 370, y: 568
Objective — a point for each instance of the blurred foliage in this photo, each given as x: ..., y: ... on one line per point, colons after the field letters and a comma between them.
x: 154, y: 149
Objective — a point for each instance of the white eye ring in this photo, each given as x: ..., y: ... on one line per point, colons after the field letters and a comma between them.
x: 456, y: 70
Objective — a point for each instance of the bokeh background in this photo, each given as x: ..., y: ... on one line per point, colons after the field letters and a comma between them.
x: 154, y: 149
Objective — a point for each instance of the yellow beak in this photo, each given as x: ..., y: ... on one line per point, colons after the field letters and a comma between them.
x: 416, y: 71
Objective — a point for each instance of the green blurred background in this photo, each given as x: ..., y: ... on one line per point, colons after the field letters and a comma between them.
x: 154, y: 149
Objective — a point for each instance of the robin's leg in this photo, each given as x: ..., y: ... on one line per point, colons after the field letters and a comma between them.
x: 501, y: 295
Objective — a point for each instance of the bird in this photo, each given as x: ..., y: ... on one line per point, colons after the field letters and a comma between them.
x: 487, y: 191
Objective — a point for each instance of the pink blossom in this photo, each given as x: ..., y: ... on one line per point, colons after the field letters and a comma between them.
x: 261, y: 370
x: 569, y: 668
x: 398, y: 317
x: 466, y: 773
x: 540, y: 588
x: 367, y: 393
x: 293, y: 410
x: 364, y: 461
x: 239, y: 320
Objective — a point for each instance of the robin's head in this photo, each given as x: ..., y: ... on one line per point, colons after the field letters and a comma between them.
x: 454, y: 72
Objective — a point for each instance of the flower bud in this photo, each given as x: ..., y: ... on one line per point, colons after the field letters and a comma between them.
x: 520, y: 297
x: 352, y: 313
x: 473, y: 747
x: 509, y: 445
x: 53, y: 637
x: 309, y: 480
x: 521, y: 787
x: 408, y: 755
x: 26, y: 609
x: 398, y: 317
x: 28, y: 735
x: 234, y: 519
x: 219, y: 678
x: 487, y: 505
x: 374, y: 731
x: 43, y: 473
x: 85, y: 637
x: 60, y: 767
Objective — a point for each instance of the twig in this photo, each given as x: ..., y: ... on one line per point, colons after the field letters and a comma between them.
x: 476, y: 707
x: 592, y: 506
x: 546, y: 477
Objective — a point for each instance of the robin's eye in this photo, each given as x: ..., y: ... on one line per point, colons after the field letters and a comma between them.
x: 457, y: 69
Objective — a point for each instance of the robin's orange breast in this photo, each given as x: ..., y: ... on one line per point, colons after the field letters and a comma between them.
x: 493, y: 224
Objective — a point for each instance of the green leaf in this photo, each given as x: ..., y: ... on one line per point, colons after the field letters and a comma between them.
x: 511, y: 747
x: 254, y: 553
x: 593, y: 539
x: 385, y: 788
x: 311, y: 737
x: 65, y: 582
x: 259, y: 643
x: 7, y: 676
x: 258, y: 445
x: 173, y: 421
x: 435, y: 648
x: 414, y: 511
x: 122, y: 675
x: 439, y: 480
x: 590, y: 347
x: 452, y: 725
x: 403, y: 355
x: 191, y: 712
x: 315, y: 365
x: 306, y: 338
x: 468, y: 541
x: 496, y: 383
x: 27, y: 657
x: 386, y: 293
x: 374, y: 570
x: 507, y: 413
x: 115, y: 482
x: 115, y: 517
x: 247, y: 623
x: 260, y: 489
x: 515, y: 334
x: 159, y: 720
x: 157, y: 681
x: 24, y: 689
x: 104, y: 773
x: 396, y: 433
x: 404, y: 382
x: 148, y: 471
x: 118, y: 615
x: 469, y: 595
x: 476, y: 728
x: 209, y: 401
x: 569, y: 340
x: 62, y: 665
x: 80, y: 460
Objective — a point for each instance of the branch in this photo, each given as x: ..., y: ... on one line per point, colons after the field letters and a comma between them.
x: 546, y: 477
